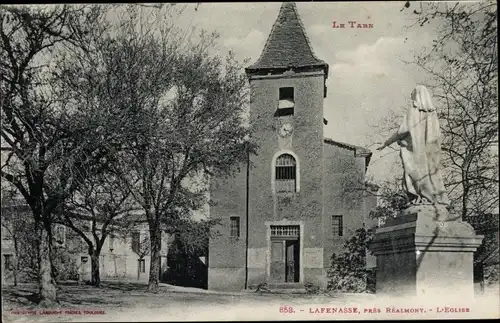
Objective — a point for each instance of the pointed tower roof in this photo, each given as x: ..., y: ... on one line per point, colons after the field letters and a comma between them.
x: 287, y: 45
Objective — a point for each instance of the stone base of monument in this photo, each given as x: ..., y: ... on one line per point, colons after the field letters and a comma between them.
x: 425, y: 253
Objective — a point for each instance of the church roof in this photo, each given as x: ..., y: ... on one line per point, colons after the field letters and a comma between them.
x: 359, y: 151
x: 288, y: 45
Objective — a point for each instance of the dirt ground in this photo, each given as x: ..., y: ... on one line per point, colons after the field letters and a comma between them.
x: 130, y: 302
x: 117, y: 301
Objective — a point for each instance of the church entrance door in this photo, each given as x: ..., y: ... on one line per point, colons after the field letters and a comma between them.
x: 285, y: 254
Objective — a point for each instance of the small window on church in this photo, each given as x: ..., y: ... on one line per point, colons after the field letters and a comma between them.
x: 286, y: 102
x: 337, y: 226
x: 235, y: 226
x: 286, y: 169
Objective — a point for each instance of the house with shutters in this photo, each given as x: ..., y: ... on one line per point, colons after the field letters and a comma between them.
x: 302, y: 195
x: 124, y: 255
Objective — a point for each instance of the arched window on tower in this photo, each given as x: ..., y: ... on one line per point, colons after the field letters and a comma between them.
x: 286, y: 174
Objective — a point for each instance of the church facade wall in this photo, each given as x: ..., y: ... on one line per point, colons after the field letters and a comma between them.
x: 344, y: 196
x: 318, y: 242
x: 324, y: 175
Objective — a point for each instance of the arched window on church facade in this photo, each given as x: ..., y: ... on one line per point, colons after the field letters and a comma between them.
x: 286, y: 174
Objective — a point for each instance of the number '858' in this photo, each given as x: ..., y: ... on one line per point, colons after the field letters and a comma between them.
x: 286, y: 309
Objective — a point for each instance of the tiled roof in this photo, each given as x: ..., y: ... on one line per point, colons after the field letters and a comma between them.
x: 359, y: 151
x: 287, y: 45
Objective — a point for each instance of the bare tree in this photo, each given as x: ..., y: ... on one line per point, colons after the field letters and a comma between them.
x: 463, y: 65
x: 98, y: 209
x: 142, y: 247
x: 51, y: 142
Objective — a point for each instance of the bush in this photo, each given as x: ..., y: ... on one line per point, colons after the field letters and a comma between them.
x: 65, y: 267
x: 312, y: 288
x: 491, y: 275
x: 348, y: 272
x: 262, y: 287
x: 371, y: 280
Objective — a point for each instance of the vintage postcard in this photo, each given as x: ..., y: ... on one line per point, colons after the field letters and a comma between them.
x: 249, y: 161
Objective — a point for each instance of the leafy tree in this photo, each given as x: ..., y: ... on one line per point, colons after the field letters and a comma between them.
x: 187, y: 108
x: 52, y: 142
x: 348, y: 271
x: 191, y: 238
x: 392, y: 199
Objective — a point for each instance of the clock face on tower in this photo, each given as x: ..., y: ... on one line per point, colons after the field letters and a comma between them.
x: 286, y: 130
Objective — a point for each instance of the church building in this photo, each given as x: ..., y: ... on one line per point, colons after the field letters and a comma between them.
x: 302, y: 195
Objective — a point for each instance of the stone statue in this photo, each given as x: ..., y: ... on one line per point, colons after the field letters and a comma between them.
x: 439, y: 243
x: 419, y: 137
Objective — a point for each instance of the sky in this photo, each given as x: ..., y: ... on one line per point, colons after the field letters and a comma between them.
x: 367, y: 78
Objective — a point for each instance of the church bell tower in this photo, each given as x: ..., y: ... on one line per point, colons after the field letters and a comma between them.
x: 286, y: 177
x: 288, y: 211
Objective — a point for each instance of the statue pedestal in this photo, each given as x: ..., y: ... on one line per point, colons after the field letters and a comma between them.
x: 425, y: 253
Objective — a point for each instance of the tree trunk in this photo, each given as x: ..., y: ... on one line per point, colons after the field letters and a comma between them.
x: 15, y: 273
x: 154, y: 269
x: 94, y: 264
x: 47, y: 285
x: 16, y: 261
x: 138, y: 270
